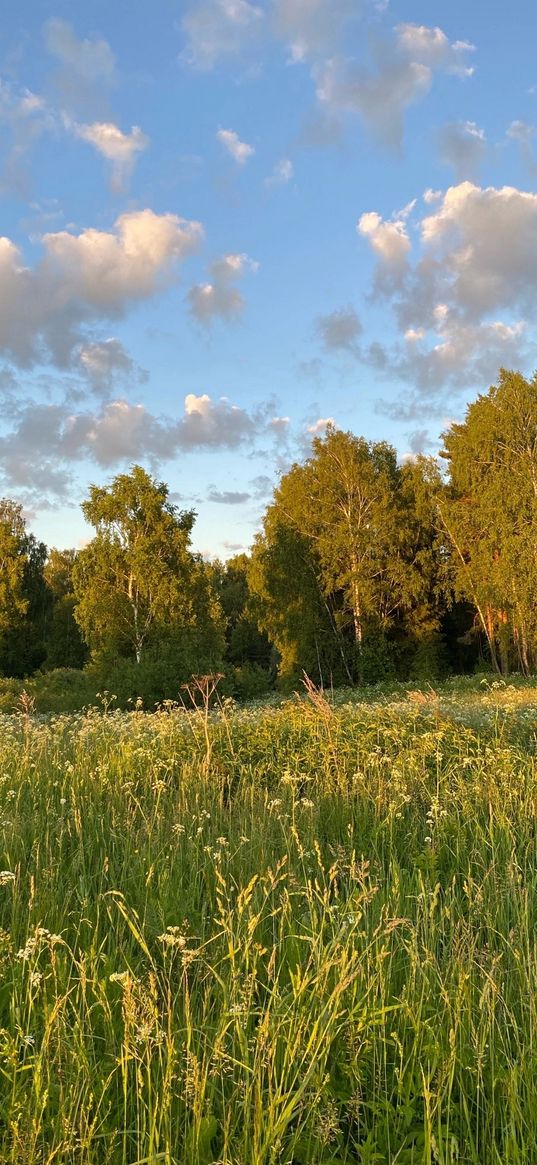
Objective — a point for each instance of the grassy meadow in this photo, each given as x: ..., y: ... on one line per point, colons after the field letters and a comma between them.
x: 300, y: 933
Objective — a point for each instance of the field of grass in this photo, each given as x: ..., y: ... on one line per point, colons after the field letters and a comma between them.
x: 302, y: 934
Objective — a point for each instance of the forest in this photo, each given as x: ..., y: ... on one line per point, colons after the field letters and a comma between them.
x: 365, y: 569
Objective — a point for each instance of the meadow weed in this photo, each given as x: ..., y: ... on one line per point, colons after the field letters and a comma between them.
x: 299, y: 932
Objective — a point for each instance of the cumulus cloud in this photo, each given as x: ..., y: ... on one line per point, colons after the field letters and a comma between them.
x: 463, y: 146
x: 465, y: 298
x: 486, y: 239
x: 431, y: 47
x: 48, y: 440
x: 391, y: 244
x: 403, y: 74
x: 219, y: 29
x: 239, y: 151
x: 220, y: 297
x: 118, y: 148
x: 340, y: 330
x: 87, y: 68
x: 81, y: 278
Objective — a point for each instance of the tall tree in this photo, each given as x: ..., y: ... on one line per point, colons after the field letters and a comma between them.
x: 343, y: 554
x: 24, y: 600
x: 13, y: 558
x: 137, y: 583
x: 489, y: 513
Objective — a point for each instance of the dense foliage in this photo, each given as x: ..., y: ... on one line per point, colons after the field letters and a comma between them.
x: 364, y: 569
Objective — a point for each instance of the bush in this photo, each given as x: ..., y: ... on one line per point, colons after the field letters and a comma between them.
x: 250, y: 681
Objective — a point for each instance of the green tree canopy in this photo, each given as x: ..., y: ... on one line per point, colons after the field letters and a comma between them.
x: 489, y: 513
x: 24, y: 600
x: 137, y: 583
x: 346, y: 553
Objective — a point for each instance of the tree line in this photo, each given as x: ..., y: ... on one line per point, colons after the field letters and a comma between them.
x: 364, y: 569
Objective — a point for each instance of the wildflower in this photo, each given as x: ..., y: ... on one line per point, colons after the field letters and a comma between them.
x: 122, y: 977
x: 173, y: 938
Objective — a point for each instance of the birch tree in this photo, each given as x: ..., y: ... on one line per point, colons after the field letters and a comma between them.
x: 137, y: 581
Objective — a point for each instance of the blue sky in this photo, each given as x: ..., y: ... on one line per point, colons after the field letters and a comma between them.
x: 225, y: 222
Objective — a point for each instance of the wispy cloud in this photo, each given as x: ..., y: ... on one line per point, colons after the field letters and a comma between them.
x: 118, y: 148
x: 239, y: 151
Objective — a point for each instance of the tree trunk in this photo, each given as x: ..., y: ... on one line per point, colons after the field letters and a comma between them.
x: 357, y: 616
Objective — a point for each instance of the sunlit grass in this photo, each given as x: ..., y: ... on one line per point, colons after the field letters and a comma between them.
x: 309, y: 936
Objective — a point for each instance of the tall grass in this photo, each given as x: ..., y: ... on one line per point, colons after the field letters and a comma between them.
x: 304, y: 934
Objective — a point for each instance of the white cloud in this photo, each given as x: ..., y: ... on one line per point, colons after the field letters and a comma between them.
x: 391, y: 244
x: 216, y: 29
x: 463, y: 146
x: 239, y: 151
x: 28, y: 115
x: 84, y: 277
x: 220, y: 297
x: 48, y: 440
x: 486, y: 239
x: 465, y: 300
x: 118, y: 148
x: 431, y: 47
x: 320, y: 426
x: 404, y: 73
x: 313, y: 32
